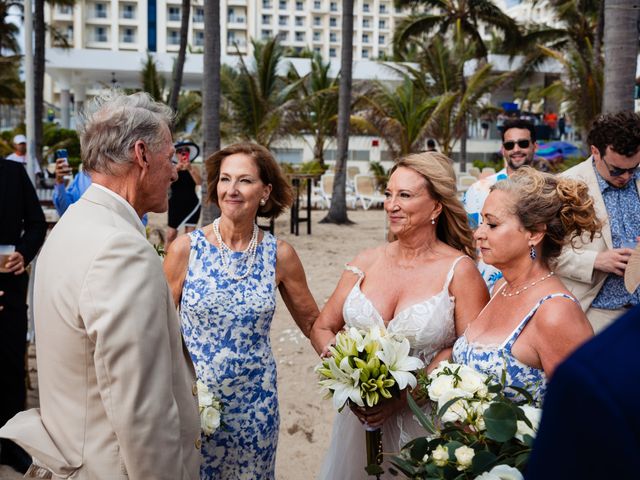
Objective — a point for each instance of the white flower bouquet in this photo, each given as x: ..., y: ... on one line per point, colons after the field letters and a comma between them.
x: 367, y: 367
x: 476, y: 432
x: 210, y: 409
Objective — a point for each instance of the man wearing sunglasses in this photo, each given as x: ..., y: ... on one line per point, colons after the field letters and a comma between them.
x: 594, y: 271
x: 518, y: 148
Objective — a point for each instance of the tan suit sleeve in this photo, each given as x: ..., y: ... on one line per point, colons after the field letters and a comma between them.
x: 577, y: 264
x: 124, y: 307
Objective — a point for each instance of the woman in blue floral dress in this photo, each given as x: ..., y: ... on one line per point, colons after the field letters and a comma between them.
x: 224, y: 278
x: 532, y: 322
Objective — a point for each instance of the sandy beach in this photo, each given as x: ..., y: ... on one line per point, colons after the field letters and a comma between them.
x: 305, y: 417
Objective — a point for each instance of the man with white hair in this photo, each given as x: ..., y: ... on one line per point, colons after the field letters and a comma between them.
x: 118, y: 395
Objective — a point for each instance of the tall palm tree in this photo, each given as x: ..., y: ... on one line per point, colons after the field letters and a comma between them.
x: 620, y: 54
x: 9, y: 31
x: 182, y: 54
x: 398, y: 115
x: 210, y: 95
x: 152, y: 82
x: 11, y: 87
x: 315, y: 110
x: 338, y: 210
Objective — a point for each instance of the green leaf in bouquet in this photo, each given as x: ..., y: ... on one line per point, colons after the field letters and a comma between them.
x: 404, y: 466
x: 522, y: 460
x: 419, y: 447
x: 524, y: 392
x: 494, y: 388
x: 500, y: 420
x: 483, y: 460
x: 425, y: 421
x: 528, y: 440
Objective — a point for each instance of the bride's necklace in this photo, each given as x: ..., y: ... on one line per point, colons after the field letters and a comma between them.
x: 526, y: 287
x: 225, y: 251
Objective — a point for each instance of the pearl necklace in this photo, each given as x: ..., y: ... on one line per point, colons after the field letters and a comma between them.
x: 225, y: 251
x: 526, y: 287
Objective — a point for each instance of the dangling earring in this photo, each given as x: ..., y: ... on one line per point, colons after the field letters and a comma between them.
x: 433, y: 221
x: 263, y: 202
x: 532, y: 253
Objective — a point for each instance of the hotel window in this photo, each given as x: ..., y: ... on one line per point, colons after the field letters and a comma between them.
x: 366, y: 23
x: 317, y: 21
x: 198, y: 38
x: 333, y: 6
x: 332, y: 52
x: 266, y: 19
x: 101, y: 10
x: 128, y: 12
x: 382, y: 24
x: 299, y: 6
x: 198, y: 15
x: 100, y: 34
x: 365, y: 53
x: 283, y: 4
x: 128, y: 35
x: 299, y: 36
x: 174, y: 14
x: 299, y: 21
x: 333, y: 22
x: 365, y: 7
x: 174, y: 37
x: 317, y: 5
x: 316, y: 36
x: 365, y: 38
x: 381, y: 40
x: 283, y: 20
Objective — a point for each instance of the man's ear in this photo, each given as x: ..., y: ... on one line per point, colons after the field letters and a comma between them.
x: 140, y: 155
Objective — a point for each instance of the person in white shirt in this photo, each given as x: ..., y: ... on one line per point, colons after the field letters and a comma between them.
x: 20, y: 152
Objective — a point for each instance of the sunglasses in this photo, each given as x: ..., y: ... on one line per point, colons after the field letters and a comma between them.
x: 510, y: 145
x: 617, y: 171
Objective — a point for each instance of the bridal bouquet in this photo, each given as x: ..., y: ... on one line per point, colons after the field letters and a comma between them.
x: 210, y: 409
x: 476, y: 432
x: 367, y: 367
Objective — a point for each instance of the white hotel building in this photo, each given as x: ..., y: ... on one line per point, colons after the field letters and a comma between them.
x: 109, y: 39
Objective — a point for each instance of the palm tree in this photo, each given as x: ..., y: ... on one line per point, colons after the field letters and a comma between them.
x: 398, y: 115
x: 182, y: 53
x: 456, y: 100
x: 620, y: 54
x: 210, y: 95
x: 260, y: 96
x: 458, y: 21
x: 442, y: 17
x: 338, y: 210
x: 315, y: 110
x: 577, y: 45
x: 11, y: 87
x: 152, y: 82
x: 9, y: 31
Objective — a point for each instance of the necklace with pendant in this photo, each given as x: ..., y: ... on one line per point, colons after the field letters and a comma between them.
x: 526, y: 287
x: 226, y: 252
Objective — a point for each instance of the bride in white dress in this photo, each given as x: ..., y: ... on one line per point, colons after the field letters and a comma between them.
x: 424, y: 285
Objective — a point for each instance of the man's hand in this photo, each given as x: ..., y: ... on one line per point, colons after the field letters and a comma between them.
x: 613, y: 261
x: 15, y: 263
x: 62, y: 169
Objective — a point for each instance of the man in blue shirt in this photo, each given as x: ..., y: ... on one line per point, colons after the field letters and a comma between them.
x: 594, y: 270
x: 64, y: 196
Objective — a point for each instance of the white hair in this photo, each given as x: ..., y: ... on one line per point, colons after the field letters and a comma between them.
x: 112, y: 123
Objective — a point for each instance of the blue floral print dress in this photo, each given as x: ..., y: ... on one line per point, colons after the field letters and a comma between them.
x: 225, y: 324
x: 494, y: 359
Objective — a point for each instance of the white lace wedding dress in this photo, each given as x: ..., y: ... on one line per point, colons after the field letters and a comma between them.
x: 429, y: 327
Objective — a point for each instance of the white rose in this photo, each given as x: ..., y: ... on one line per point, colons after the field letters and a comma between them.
x: 501, y: 472
x: 440, y: 368
x: 210, y: 420
x: 205, y: 397
x: 458, y: 410
x: 473, y: 381
x: 439, y: 385
x: 533, y: 414
x: 440, y: 456
x: 464, y: 456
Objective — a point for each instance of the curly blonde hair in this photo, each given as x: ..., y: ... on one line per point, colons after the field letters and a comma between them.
x: 437, y: 170
x: 560, y: 207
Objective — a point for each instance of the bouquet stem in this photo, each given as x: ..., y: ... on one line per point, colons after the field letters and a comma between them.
x: 373, y: 441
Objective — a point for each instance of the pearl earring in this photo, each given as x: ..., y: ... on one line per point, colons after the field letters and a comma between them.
x: 263, y: 202
x: 433, y: 221
x: 532, y: 253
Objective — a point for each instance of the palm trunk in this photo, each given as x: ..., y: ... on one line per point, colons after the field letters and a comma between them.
x: 620, y: 54
x: 463, y: 132
x: 38, y: 76
x: 210, y: 97
x: 182, y: 53
x: 318, y: 149
x: 338, y: 211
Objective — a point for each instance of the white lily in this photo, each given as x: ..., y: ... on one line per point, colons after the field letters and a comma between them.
x: 344, y: 384
x: 395, y: 355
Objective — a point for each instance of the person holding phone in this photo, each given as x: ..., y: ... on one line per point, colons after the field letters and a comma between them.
x: 184, y: 204
x: 64, y: 196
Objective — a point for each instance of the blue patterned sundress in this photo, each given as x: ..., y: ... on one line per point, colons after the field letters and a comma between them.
x: 225, y: 324
x: 494, y: 359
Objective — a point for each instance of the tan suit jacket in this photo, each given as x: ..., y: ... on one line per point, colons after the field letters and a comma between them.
x: 576, y: 266
x: 117, y: 386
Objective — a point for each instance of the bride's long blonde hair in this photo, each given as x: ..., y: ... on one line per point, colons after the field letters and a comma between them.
x: 437, y: 170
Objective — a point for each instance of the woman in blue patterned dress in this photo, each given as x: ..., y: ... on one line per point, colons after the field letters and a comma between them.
x: 532, y: 322
x: 224, y: 279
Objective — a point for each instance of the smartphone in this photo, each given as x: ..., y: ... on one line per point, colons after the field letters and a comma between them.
x: 63, y: 154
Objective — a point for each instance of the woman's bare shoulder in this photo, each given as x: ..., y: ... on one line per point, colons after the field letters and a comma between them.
x: 368, y: 257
